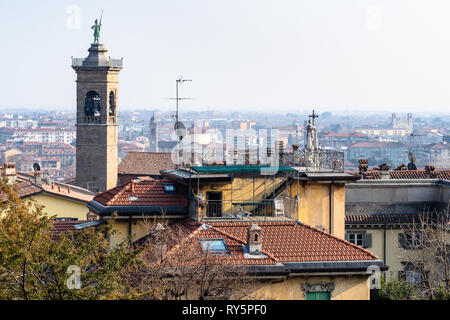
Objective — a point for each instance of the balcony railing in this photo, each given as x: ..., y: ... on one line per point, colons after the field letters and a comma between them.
x: 282, y: 208
x: 320, y: 160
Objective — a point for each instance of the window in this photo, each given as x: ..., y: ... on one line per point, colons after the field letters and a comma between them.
x: 317, y: 296
x: 169, y: 188
x: 412, y: 274
x: 362, y: 238
x: 356, y: 238
x: 217, y: 246
x: 410, y: 240
x: 413, y: 277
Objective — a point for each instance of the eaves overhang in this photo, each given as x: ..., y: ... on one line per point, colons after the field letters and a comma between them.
x: 103, y: 210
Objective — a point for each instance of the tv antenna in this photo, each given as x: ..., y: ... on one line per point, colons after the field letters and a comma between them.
x: 179, y: 125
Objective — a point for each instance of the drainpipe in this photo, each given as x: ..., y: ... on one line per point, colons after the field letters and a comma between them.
x: 331, y: 192
x: 384, y: 244
x: 129, y: 229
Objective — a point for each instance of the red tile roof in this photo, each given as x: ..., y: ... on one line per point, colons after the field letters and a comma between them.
x: 24, y: 189
x: 378, y: 144
x: 60, y: 226
x: 409, y: 174
x: 282, y: 241
x: 146, y: 163
x: 147, y: 193
x: 381, y: 218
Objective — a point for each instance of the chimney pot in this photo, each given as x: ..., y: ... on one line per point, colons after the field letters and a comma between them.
x: 254, y: 239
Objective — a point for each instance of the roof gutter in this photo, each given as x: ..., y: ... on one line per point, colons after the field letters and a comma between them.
x: 100, y: 209
x: 333, y: 266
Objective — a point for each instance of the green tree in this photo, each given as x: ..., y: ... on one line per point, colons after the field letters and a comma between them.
x: 36, y: 265
x: 396, y: 289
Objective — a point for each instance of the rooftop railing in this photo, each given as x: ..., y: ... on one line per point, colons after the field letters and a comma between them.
x: 280, y: 209
x: 80, y: 62
x: 317, y: 160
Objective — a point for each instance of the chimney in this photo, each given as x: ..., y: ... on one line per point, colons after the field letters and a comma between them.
x: 10, y: 172
x: 295, y: 150
x: 68, y: 189
x: 132, y: 187
x: 254, y: 239
x: 363, y: 165
x: 38, y: 178
x: 281, y: 150
x: 429, y: 171
x: 53, y: 185
x: 91, y: 216
x: 384, y: 168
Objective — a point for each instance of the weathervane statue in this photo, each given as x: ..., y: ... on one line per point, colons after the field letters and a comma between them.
x: 96, y: 27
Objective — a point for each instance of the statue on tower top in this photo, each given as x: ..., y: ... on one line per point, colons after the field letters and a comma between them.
x: 96, y: 27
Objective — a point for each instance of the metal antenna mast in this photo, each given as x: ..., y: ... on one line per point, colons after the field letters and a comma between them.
x: 178, y: 83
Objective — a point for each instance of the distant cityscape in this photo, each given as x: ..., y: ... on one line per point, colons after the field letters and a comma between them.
x: 49, y: 138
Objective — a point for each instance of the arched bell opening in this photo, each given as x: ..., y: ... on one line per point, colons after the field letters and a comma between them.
x: 112, y: 104
x: 92, y: 106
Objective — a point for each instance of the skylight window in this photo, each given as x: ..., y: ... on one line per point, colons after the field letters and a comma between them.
x: 169, y: 187
x: 217, y: 246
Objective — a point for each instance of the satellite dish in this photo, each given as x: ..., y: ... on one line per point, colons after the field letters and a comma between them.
x: 179, y: 126
x: 412, y: 157
x: 36, y: 167
x: 180, y: 130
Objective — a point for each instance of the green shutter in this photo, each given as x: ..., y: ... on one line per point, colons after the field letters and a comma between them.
x: 310, y: 296
x: 368, y: 240
x: 317, y: 296
x: 322, y: 296
x: 346, y: 236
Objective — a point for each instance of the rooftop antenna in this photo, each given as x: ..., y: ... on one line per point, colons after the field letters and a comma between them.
x: 179, y: 125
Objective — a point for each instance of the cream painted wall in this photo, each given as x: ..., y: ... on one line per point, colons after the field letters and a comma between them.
x: 314, y: 199
x: 394, y: 256
x: 61, y: 207
x: 347, y: 287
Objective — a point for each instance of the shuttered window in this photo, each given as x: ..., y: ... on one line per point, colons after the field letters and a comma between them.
x: 317, y: 296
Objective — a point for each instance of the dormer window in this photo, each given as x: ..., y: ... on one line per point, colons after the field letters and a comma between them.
x: 169, y: 188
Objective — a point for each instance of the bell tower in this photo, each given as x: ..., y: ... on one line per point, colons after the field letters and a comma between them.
x: 97, y: 127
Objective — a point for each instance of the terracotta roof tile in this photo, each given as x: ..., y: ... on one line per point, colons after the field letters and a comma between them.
x: 283, y: 241
x: 146, y: 163
x: 381, y: 218
x: 60, y: 226
x: 409, y: 174
x: 146, y: 193
x: 24, y: 188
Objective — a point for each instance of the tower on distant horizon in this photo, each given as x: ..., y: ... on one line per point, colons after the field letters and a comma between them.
x: 153, y: 135
x: 97, y: 127
x: 401, y: 124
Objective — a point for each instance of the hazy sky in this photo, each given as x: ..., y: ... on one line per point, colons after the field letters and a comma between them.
x: 284, y: 55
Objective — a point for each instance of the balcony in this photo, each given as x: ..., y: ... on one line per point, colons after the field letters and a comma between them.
x: 280, y: 209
